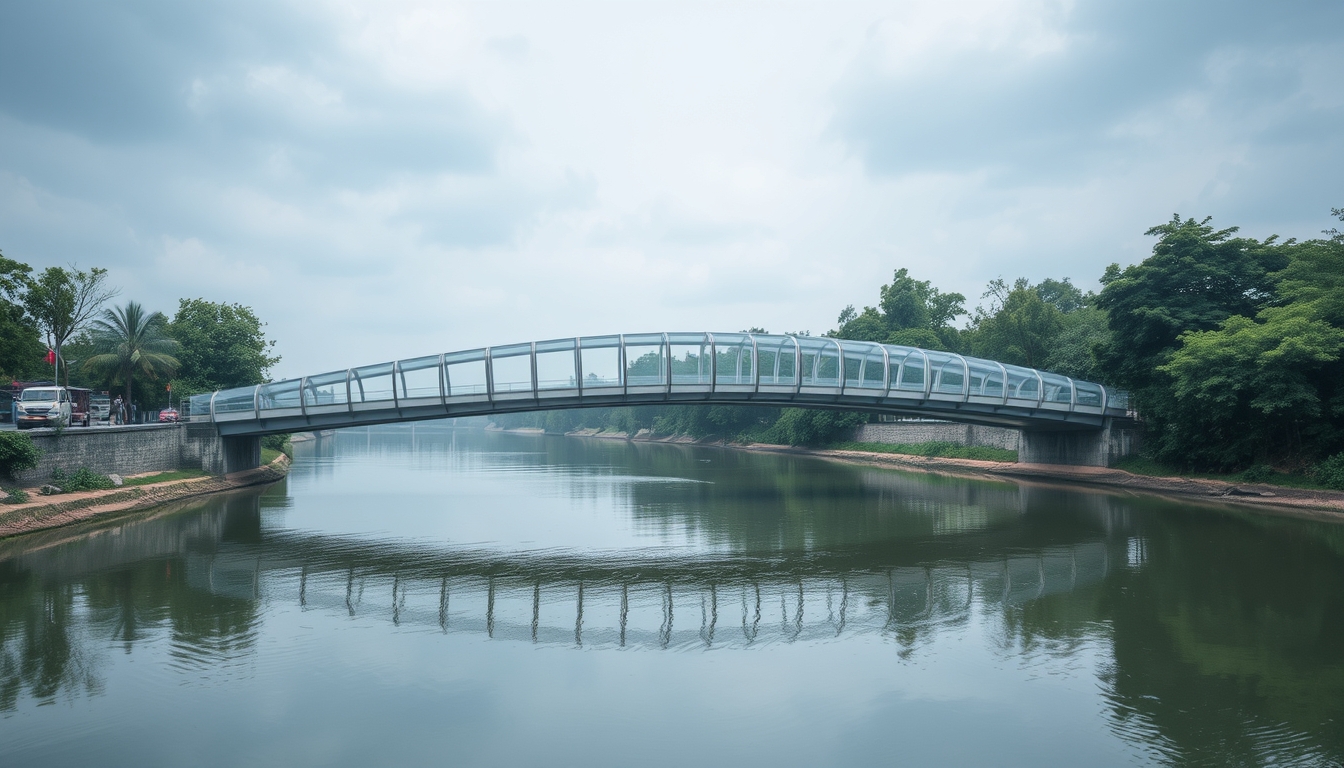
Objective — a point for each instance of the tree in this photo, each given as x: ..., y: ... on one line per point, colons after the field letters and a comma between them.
x: 910, y: 312
x: 1071, y: 350
x: 1019, y: 325
x: 130, y: 342
x: 222, y: 345
x: 20, y: 343
x: 63, y: 302
x: 1196, y: 278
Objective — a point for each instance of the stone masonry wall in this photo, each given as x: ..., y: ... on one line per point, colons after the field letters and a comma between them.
x: 136, y: 448
x: 908, y: 432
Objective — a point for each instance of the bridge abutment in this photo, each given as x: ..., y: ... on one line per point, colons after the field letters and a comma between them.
x: 1083, y: 448
x: 129, y: 450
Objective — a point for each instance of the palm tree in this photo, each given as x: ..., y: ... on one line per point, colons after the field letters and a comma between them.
x: 130, y: 341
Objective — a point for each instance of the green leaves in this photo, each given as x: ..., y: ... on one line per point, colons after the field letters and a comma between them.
x: 222, y: 345
x: 131, y: 341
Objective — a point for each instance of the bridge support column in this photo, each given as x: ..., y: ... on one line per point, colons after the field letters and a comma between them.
x: 241, y: 452
x: 1083, y: 448
x: 202, y: 446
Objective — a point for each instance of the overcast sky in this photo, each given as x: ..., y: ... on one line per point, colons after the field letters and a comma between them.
x: 387, y: 180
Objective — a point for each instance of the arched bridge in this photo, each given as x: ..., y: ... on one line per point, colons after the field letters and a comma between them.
x: 655, y: 368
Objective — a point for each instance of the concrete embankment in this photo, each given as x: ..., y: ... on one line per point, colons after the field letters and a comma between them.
x: 138, y: 448
x: 43, y: 512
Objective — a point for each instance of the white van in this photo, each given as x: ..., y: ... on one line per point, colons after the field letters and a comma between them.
x: 42, y: 407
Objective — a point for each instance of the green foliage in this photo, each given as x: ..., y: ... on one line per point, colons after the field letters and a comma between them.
x: 63, y: 302
x: 932, y: 448
x: 1071, y: 350
x: 164, y: 477
x: 221, y: 346
x: 1196, y: 278
x: 17, y: 453
x: 280, y: 443
x: 1259, y: 473
x: 16, y: 496
x: 82, y: 479
x: 132, y: 342
x: 21, y: 346
x: 803, y: 426
x: 1330, y: 472
x: 909, y: 312
x: 1018, y: 326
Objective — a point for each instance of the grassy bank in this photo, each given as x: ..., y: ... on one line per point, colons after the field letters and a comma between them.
x: 1140, y: 465
x: 933, y: 448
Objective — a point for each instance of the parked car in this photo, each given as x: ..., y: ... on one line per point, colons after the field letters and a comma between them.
x: 42, y: 407
x: 100, y: 406
x: 168, y: 415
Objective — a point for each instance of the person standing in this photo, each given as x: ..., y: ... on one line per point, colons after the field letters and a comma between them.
x: 118, y: 415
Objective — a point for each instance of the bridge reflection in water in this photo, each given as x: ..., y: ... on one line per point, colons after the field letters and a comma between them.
x: 650, y: 602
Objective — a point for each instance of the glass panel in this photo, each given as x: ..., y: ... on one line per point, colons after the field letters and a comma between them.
x: 1022, y: 383
x: 601, y: 357
x: 372, y: 383
x: 325, y: 389
x: 280, y: 394
x: 863, y: 364
x: 776, y: 359
x: 986, y: 378
x: 733, y: 363
x: 200, y: 406
x: 645, y: 366
x: 235, y: 400
x: 465, y: 372
x: 821, y: 362
x: 907, y: 368
x: 1088, y: 393
x: 1057, y: 389
x: 1118, y: 400
x: 949, y: 376
x: 419, y: 377
x: 555, y: 364
x: 690, y: 358
x: 511, y: 368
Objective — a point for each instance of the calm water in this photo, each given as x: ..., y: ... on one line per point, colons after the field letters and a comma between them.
x: 436, y: 597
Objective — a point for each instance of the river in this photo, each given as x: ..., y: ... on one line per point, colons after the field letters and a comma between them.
x: 424, y: 595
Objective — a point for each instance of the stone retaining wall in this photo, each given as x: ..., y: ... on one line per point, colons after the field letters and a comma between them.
x: 910, y: 432
x: 135, y: 448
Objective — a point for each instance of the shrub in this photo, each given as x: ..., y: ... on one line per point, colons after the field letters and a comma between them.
x: 1330, y: 472
x: 82, y: 479
x: 1260, y: 473
x: 16, y: 496
x: 279, y: 443
x: 17, y: 453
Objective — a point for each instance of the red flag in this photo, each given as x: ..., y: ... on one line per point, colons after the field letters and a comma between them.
x: 51, y: 357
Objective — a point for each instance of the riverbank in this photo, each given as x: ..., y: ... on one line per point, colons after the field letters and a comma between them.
x: 1322, y: 504
x: 44, y: 512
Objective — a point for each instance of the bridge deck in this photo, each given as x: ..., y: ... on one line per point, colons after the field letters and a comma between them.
x: 653, y: 368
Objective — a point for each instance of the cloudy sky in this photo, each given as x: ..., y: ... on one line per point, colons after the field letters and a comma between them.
x: 387, y: 180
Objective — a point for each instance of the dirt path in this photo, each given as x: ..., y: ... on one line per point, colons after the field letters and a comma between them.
x: 45, y: 512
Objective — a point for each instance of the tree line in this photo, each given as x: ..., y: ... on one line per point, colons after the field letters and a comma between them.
x: 1232, y: 349
x: 69, y: 314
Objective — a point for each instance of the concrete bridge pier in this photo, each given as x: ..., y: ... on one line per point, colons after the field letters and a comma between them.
x: 203, y: 446
x: 1084, y: 448
x: 241, y: 452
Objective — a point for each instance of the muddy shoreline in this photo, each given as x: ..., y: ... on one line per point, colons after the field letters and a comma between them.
x: 1269, y: 499
x: 46, y: 512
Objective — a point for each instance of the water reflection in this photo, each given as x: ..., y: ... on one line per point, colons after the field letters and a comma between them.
x: 1221, y: 629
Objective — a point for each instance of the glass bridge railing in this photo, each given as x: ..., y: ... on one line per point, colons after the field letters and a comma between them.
x: 772, y: 367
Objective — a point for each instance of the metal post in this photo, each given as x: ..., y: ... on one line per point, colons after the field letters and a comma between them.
x: 578, y: 364
x: 489, y: 377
